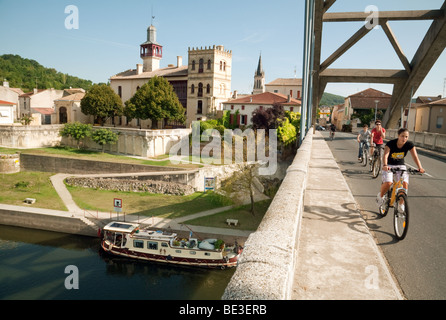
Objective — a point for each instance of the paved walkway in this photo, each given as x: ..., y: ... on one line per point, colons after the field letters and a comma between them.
x: 337, y: 256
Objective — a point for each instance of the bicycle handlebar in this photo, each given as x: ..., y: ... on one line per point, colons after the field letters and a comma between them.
x: 410, y: 170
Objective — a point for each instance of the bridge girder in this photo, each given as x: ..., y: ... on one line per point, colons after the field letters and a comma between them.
x: 406, y: 81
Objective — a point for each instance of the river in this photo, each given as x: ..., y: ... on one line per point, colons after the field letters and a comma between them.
x: 33, y: 263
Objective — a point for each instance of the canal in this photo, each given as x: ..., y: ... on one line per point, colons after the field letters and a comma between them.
x: 33, y: 262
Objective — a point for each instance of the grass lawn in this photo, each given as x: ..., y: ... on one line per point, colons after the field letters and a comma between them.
x: 246, y: 221
x: 16, y: 187
x: 144, y: 203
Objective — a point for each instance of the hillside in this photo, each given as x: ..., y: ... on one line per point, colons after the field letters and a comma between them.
x: 22, y: 73
x: 329, y: 99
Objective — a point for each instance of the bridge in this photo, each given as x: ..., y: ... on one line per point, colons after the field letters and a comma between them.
x: 267, y: 268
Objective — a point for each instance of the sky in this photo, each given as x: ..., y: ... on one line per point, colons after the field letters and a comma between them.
x: 109, y: 34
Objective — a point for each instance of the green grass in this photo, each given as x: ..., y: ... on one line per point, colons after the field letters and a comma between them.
x: 246, y: 221
x: 16, y: 187
x: 145, y: 204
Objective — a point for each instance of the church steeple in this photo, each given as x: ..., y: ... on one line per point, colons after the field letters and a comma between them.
x: 151, y: 51
x: 259, y: 78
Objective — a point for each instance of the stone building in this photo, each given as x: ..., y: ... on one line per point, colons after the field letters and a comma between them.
x: 286, y: 86
x: 201, y: 85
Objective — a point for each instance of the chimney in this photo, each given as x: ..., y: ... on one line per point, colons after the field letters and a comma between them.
x: 179, y: 61
x: 5, y: 83
x: 35, y: 90
x: 289, y: 98
x: 235, y: 94
x: 138, y: 68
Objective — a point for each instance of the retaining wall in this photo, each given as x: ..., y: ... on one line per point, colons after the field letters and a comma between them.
x: 42, y: 219
x: 266, y: 267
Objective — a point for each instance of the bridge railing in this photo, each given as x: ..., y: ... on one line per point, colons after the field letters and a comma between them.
x: 266, y: 267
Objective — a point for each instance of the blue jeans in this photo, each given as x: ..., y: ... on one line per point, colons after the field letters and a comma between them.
x: 360, y: 147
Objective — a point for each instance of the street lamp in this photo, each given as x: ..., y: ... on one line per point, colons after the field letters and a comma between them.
x: 376, y: 108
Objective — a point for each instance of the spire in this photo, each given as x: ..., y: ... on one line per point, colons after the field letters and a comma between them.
x: 259, y: 71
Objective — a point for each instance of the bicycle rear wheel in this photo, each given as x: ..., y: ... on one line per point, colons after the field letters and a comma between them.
x: 365, y: 155
x: 376, y: 167
x: 401, y: 216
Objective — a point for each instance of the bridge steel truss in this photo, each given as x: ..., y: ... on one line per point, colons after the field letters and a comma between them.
x: 405, y: 81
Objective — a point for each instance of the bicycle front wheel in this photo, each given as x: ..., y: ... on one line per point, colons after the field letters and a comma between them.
x: 365, y: 156
x: 376, y: 167
x: 401, y: 216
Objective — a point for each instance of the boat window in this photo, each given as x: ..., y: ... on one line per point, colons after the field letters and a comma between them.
x: 118, y: 239
x: 138, y: 243
x: 207, y: 254
x: 193, y: 252
x: 152, y: 245
x: 177, y: 251
x: 164, y: 244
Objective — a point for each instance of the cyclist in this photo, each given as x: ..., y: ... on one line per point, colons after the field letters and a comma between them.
x: 332, y: 130
x: 377, y: 135
x: 394, y: 154
x: 363, y: 138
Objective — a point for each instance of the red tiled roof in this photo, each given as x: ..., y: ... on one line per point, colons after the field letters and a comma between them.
x: 267, y: 98
x: 366, y: 99
x: 43, y: 110
x: 2, y: 102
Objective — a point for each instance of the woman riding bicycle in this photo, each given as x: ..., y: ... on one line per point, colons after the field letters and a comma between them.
x: 394, y: 154
x: 377, y: 135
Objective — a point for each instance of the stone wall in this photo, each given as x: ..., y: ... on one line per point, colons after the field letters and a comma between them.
x: 33, y: 162
x: 132, y: 185
x: 9, y: 163
x: 17, y: 136
x: 427, y: 140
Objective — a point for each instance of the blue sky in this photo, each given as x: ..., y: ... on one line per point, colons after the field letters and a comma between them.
x: 110, y: 32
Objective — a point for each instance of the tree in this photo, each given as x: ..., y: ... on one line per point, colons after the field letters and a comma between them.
x: 78, y: 131
x: 155, y: 100
x: 104, y: 136
x: 267, y: 118
x: 241, y: 183
x: 101, y: 101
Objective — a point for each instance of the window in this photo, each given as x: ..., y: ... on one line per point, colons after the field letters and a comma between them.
x: 224, y: 65
x: 243, y: 107
x: 439, y: 122
x: 200, y: 89
x: 120, y: 91
x: 192, y: 89
x: 193, y: 64
x: 200, y: 66
x: 200, y: 107
x: 193, y: 252
x: 232, y: 107
x: 177, y: 251
x: 152, y: 245
x: 164, y: 244
x: 221, y: 65
x: 208, y: 89
x: 209, y: 64
x: 138, y: 243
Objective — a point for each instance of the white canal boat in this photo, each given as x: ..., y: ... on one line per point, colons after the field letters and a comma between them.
x: 128, y: 240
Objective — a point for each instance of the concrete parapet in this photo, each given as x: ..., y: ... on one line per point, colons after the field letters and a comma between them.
x: 266, y: 267
x: 427, y: 140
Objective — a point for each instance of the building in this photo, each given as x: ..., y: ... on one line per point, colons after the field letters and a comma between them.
x: 241, y: 109
x: 68, y: 108
x: 201, y: 85
x: 286, y: 86
x: 11, y: 95
x: 7, y: 112
x: 39, y: 104
x: 430, y: 114
x: 360, y: 103
x: 259, y: 79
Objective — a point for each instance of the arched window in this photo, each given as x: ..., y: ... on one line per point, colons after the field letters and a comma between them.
x: 224, y: 65
x: 193, y: 64
x: 200, y: 107
x: 192, y: 89
x: 208, y: 89
x: 221, y: 65
x: 209, y: 64
x: 200, y: 89
x: 200, y: 66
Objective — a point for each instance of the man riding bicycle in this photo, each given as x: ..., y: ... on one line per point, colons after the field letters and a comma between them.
x: 394, y: 154
x: 377, y: 135
x: 363, y: 139
x: 332, y: 130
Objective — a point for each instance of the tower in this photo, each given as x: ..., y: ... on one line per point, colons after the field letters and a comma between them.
x: 151, y: 51
x: 259, y: 79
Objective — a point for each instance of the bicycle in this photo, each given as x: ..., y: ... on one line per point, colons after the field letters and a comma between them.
x: 375, y: 163
x: 332, y: 133
x: 365, y: 153
x: 397, y: 194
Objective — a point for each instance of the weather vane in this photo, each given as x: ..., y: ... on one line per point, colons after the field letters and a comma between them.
x: 153, y: 17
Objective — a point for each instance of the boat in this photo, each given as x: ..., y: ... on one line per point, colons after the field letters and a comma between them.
x: 130, y: 240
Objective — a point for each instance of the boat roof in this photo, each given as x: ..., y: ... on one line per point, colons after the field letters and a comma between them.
x: 121, y: 226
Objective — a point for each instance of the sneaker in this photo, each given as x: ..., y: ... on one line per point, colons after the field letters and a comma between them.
x: 360, y: 159
x: 379, y: 199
